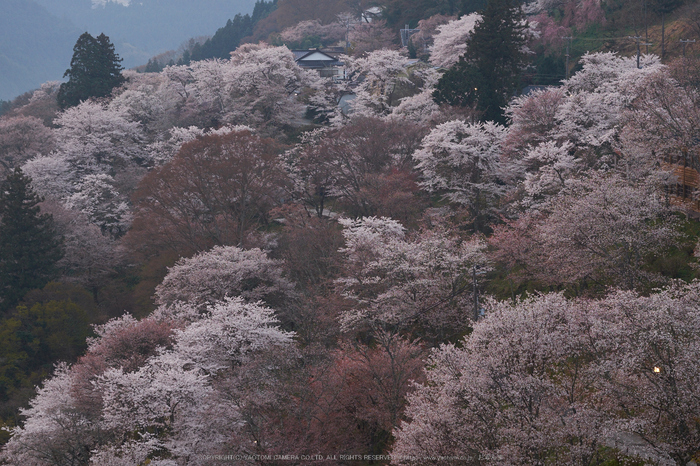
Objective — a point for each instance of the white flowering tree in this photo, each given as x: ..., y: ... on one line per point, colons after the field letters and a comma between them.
x: 96, y: 197
x: 548, y: 167
x: 22, y: 138
x: 379, y: 76
x: 517, y: 390
x: 93, y: 138
x: 161, y: 403
x: 450, y: 42
x: 462, y: 162
x: 397, y: 282
x: 572, y: 382
x: 225, y: 271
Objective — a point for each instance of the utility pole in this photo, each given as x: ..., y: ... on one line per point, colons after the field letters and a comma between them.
x: 646, y: 28
x: 686, y: 42
x: 638, y: 40
x: 476, y: 295
x: 568, y: 43
x: 663, y: 35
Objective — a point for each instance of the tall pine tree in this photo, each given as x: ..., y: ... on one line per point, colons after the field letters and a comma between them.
x: 489, y: 73
x: 94, y: 71
x: 29, y: 245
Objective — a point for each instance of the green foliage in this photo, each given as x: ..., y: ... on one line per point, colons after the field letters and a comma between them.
x: 153, y: 66
x: 663, y: 7
x: 412, y: 49
x: 34, y: 339
x: 492, y: 64
x: 549, y: 70
x: 459, y: 85
x: 29, y: 246
x: 94, y: 71
x: 228, y: 38
x: 679, y: 261
x: 397, y: 13
x: 5, y: 107
x: 57, y: 291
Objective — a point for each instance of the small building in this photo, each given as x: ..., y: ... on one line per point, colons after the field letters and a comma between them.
x: 325, y: 61
x: 685, y: 191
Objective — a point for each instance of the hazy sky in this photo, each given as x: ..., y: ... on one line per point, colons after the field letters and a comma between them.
x: 102, y: 3
x: 37, y: 36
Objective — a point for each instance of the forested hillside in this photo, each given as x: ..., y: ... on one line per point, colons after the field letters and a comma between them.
x: 214, y: 262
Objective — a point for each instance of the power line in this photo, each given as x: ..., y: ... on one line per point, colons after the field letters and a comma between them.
x: 686, y: 42
x: 568, y: 43
x: 638, y: 40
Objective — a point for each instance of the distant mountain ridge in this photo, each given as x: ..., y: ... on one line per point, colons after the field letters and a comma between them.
x: 37, y: 36
x: 35, y: 46
x: 148, y: 27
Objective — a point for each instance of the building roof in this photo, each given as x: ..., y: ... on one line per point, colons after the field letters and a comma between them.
x: 315, y: 58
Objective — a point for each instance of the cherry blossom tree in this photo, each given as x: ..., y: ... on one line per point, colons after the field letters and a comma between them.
x: 599, y: 231
x: 159, y: 403
x: 652, y: 348
x: 450, y: 42
x: 365, y: 167
x: 172, y: 394
x: 532, y: 119
x: 213, y: 192
x: 547, y: 379
x: 97, y: 198
x: 383, y: 73
x: 51, y: 175
x: 42, y: 104
x: 163, y: 151
x: 226, y: 271
x: 605, y: 229
x: 22, y: 138
x: 423, y: 38
x: 397, y: 282
x: 93, y: 137
x: 326, y: 33
x: 462, y: 162
x: 54, y: 433
x: 90, y: 257
x: 368, y: 37
x: 517, y: 391
x: 548, y: 167
x: 263, y: 82
x: 420, y: 107
x: 664, y: 117
x: 591, y: 114
x: 146, y: 99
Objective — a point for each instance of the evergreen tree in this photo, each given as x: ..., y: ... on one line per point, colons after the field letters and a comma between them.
x: 459, y: 85
x: 489, y: 72
x: 29, y: 246
x: 228, y: 38
x: 94, y: 71
x: 153, y: 66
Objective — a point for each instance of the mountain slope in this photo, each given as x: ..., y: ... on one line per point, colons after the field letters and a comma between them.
x: 146, y: 28
x: 35, y: 46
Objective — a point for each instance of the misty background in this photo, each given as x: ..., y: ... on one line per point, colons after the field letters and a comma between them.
x: 37, y: 36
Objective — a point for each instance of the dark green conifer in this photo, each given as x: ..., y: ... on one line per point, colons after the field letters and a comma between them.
x: 94, y: 71
x: 29, y: 245
x: 153, y: 66
x: 489, y: 72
